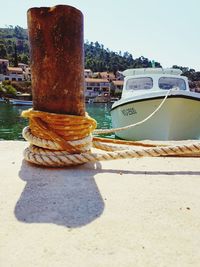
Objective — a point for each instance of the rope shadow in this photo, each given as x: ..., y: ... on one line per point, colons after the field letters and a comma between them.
x: 195, y: 173
x: 143, y: 172
x: 67, y: 197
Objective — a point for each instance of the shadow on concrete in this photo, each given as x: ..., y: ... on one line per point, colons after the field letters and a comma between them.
x: 67, y: 197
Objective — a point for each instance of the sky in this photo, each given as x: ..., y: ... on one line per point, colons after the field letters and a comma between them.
x: 163, y: 31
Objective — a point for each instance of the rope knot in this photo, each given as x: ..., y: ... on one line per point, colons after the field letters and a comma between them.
x: 66, y: 132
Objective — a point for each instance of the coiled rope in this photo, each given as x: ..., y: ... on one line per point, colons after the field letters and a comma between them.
x: 58, y: 140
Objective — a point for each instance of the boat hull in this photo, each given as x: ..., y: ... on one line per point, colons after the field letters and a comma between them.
x: 177, y: 119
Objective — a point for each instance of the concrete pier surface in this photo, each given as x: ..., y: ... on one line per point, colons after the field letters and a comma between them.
x: 138, y: 212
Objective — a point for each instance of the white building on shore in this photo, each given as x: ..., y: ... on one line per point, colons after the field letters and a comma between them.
x: 14, y: 74
x: 8, y: 73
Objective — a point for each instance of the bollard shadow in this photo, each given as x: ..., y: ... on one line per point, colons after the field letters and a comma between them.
x: 67, y: 197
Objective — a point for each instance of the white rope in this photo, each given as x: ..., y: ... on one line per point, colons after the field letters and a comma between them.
x: 49, y: 144
x: 52, y: 158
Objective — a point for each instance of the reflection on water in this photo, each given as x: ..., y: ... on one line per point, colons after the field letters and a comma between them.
x: 11, y: 124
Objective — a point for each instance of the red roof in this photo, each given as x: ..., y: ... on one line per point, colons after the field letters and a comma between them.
x: 118, y: 82
x: 94, y: 80
x: 15, y: 69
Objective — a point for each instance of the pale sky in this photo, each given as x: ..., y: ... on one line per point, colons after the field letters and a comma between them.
x: 164, y: 31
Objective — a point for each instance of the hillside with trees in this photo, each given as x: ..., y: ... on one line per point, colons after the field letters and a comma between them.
x: 14, y: 46
x: 97, y: 58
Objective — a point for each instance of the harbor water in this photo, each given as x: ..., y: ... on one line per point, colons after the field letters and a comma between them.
x: 11, y: 123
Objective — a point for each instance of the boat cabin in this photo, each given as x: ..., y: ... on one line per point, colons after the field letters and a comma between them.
x: 139, y: 81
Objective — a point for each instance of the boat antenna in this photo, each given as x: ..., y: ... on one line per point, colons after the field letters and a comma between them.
x: 153, y: 65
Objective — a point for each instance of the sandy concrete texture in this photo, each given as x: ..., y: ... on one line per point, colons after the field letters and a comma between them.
x: 138, y: 212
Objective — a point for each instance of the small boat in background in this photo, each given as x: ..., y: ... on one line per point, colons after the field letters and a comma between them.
x: 20, y: 102
x: 143, y: 91
x: 102, y: 98
x: 89, y: 100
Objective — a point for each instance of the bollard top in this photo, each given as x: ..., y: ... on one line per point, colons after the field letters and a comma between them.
x: 62, y: 8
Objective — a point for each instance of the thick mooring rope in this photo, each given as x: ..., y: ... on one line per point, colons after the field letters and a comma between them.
x: 53, y: 158
x: 62, y: 140
x: 68, y: 132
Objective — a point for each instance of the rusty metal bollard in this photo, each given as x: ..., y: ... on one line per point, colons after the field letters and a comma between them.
x: 57, y: 59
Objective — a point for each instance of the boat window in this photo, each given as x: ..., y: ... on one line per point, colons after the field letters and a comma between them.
x: 139, y: 83
x: 171, y: 82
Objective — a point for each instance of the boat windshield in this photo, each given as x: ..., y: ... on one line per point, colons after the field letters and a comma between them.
x: 171, y: 82
x: 139, y: 83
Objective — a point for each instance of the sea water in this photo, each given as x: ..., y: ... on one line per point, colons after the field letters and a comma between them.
x: 11, y: 123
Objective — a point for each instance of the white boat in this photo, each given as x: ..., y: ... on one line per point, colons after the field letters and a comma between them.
x: 20, y: 102
x: 178, y: 118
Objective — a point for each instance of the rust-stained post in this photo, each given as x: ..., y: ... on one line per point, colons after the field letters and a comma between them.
x: 57, y: 59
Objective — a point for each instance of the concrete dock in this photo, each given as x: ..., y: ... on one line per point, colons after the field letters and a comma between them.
x: 139, y: 212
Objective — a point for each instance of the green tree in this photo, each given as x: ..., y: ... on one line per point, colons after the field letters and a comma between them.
x: 19, y: 32
x: 15, y: 56
x: 3, y: 52
x: 25, y: 59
